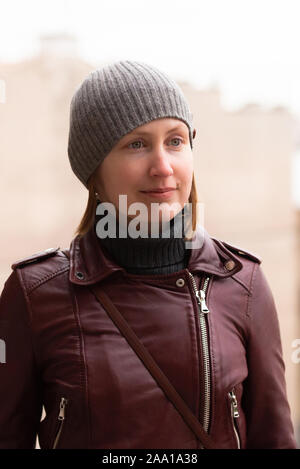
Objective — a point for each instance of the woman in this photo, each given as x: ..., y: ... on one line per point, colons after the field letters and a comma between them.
x: 204, y: 310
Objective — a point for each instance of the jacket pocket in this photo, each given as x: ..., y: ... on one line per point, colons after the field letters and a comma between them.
x: 60, y: 422
x: 234, y: 416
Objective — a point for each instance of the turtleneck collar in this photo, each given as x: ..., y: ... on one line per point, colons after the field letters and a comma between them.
x: 148, y: 256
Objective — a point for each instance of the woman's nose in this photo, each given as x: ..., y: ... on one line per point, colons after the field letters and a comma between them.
x: 160, y: 164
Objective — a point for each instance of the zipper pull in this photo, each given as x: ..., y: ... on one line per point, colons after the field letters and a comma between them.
x: 234, y: 404
x: 62, y: 406
x: 201, y: 301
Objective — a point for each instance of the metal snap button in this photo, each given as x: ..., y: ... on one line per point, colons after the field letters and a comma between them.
x: 230, y: 265
x: 180, y: 282
x: 79, y: 275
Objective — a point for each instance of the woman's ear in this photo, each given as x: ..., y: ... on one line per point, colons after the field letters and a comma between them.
x: 194, y: 133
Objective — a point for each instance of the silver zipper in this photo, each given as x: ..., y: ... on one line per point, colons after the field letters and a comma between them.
x: 61, y: 418
x: 203, y: 310
x: 234, y: 415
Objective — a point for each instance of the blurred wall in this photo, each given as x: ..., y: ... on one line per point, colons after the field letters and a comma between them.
x: 242, y: 166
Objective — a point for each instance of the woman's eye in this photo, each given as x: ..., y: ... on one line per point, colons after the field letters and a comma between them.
x: 134, y: 144
x: 178, y: 140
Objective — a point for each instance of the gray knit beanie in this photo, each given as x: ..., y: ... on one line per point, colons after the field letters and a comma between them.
x: 113, y: 101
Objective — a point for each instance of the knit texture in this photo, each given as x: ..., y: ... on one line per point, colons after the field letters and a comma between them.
x: 113, y: 101
x: 148, y: 256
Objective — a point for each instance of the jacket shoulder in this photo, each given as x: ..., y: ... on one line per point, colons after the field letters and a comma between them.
x: 246, y: 254
x: 37, y: 269
x: 35, y: 258
x: 248, y: 261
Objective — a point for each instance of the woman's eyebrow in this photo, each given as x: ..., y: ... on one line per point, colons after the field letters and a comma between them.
x: 144, y: 132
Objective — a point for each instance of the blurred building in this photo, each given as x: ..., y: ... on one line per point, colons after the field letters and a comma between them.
x: 242, y: 165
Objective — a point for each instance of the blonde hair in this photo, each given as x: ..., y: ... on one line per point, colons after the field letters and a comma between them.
x: 88, y: 218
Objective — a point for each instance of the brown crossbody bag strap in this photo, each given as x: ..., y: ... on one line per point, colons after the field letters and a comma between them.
x: 153, y: 368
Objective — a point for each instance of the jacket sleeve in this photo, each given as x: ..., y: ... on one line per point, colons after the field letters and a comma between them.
x: 20, y: 396
x: 267, y: 410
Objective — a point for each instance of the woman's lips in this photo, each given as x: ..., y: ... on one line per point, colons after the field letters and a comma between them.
x: 160, y: 193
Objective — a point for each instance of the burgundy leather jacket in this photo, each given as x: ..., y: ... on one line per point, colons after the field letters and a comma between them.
x: 212, y: 328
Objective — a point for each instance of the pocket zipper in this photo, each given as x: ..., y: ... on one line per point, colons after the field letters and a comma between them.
x: 61, y: 419
x: 234, y: 416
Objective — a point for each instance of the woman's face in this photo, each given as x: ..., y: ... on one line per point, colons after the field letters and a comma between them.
x: 151, y: 164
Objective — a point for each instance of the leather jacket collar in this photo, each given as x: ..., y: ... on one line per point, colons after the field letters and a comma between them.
x: 89, y: 264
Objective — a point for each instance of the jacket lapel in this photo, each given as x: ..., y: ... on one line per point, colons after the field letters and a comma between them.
x: 89, y: 264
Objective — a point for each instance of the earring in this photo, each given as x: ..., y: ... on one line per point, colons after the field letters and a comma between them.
x: 96, y: 194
